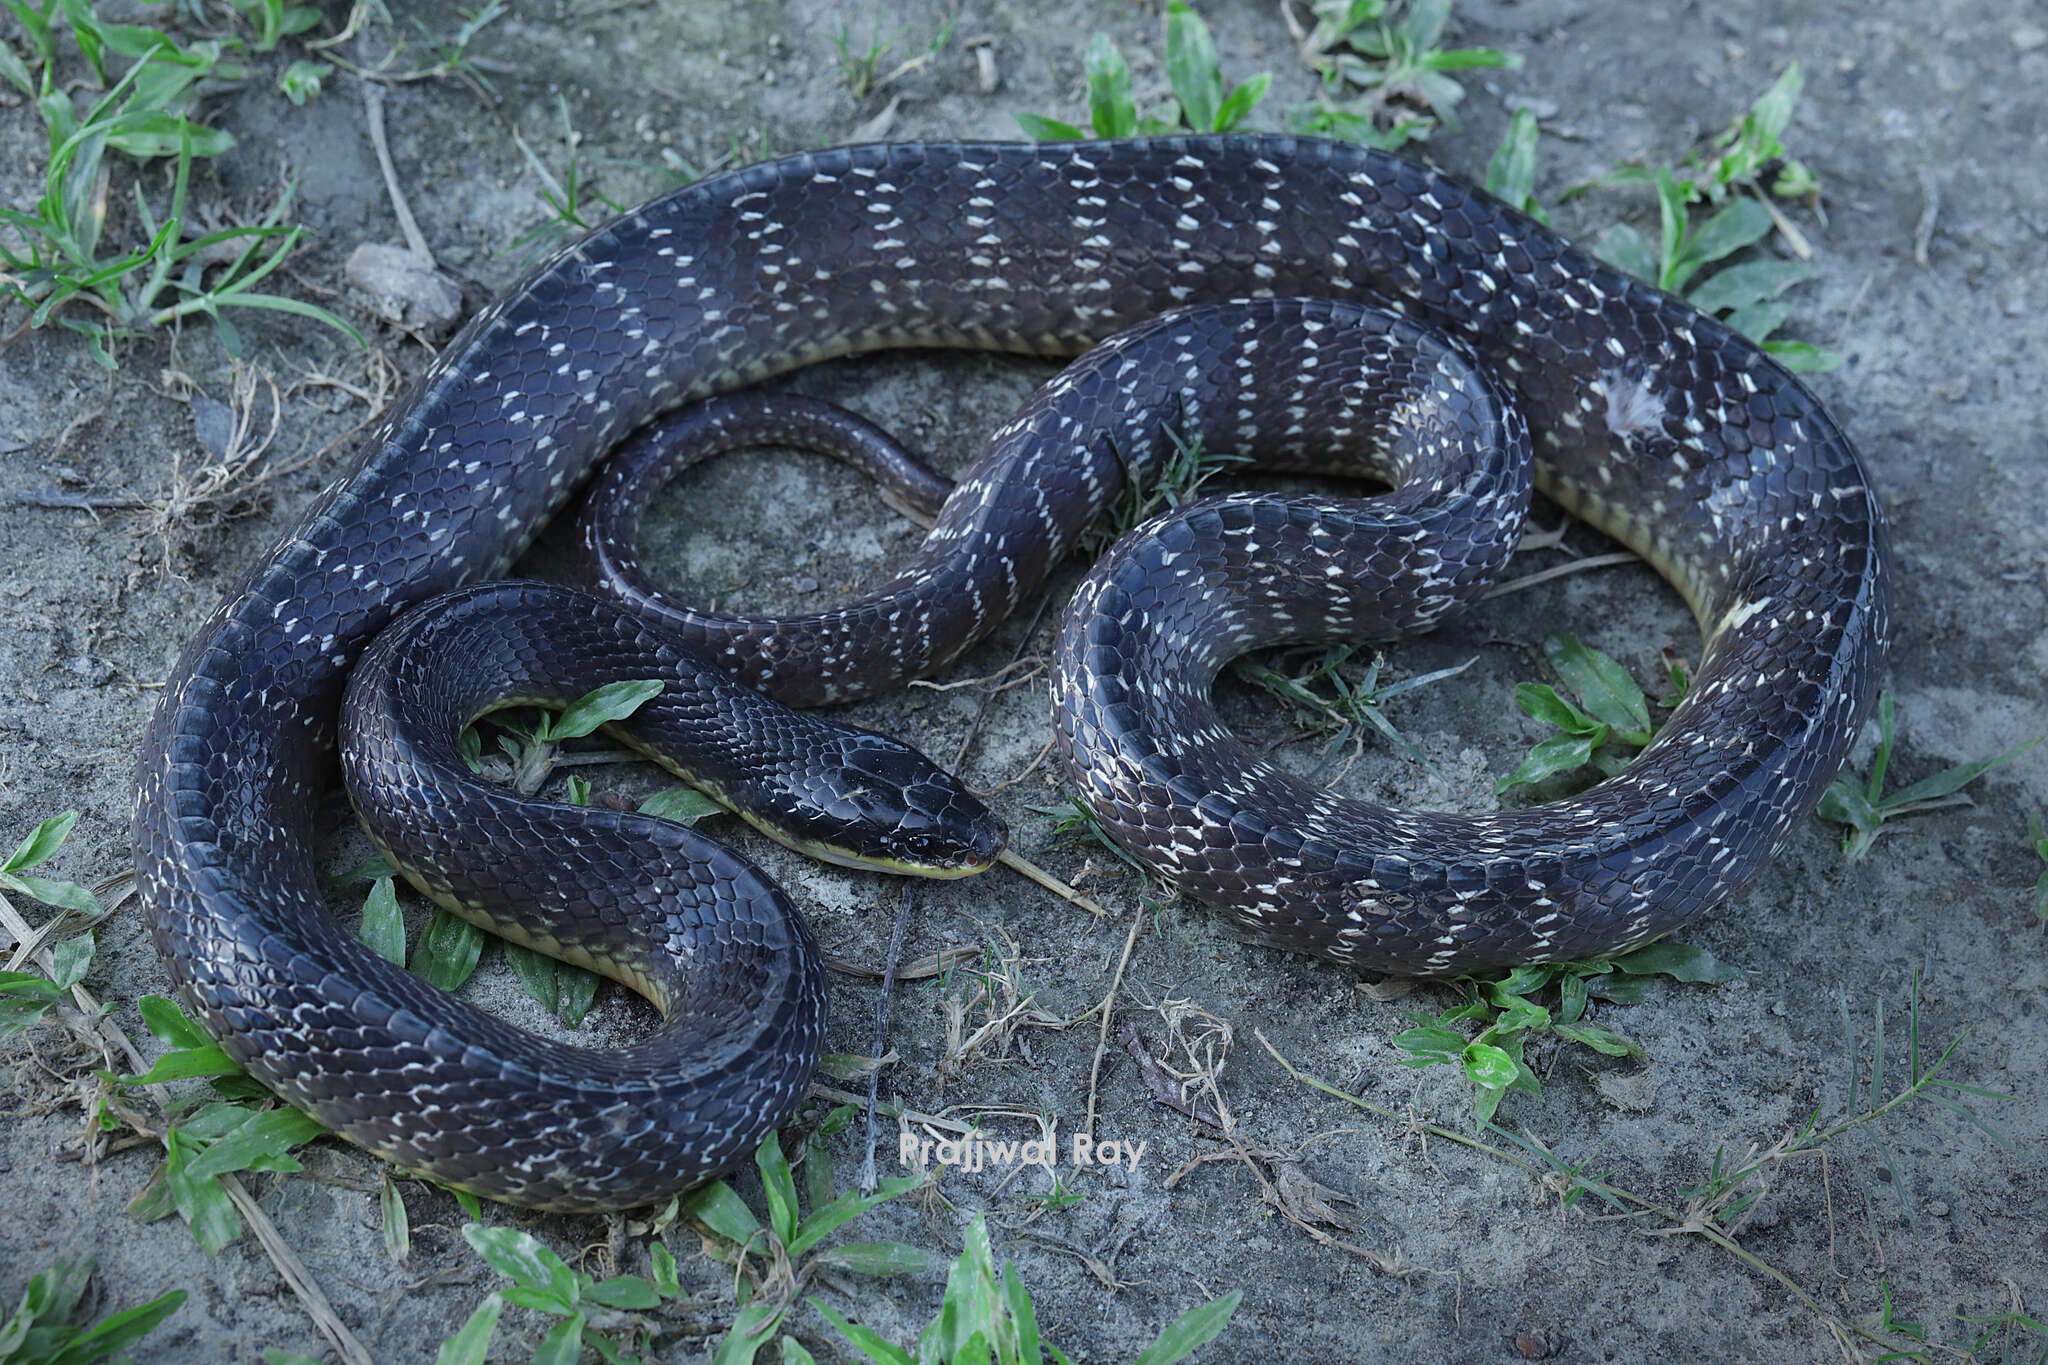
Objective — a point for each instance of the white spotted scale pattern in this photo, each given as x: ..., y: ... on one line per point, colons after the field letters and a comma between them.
x: 1656, y: 423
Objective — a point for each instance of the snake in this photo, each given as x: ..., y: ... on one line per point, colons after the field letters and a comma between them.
x: 1660, y: 426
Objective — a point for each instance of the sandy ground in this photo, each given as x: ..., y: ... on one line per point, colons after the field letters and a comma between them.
x: 1942, y: 388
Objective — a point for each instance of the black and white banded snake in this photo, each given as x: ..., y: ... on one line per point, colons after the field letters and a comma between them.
x: 1659, y: 425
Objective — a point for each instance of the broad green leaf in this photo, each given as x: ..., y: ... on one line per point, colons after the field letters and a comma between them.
x: 1679, y: 961
x: 847, y: 1207
x: 1519, y: 982
x: 397, y: 1222
x: 368, y: 870
x: 817, y: 1172
x: 260, y: 1143
x: 1540, y: 701
x: 536, y: 973
x: 1772, y: 111
x: 163, y: 1018
x: 16, y: 71
x: 1191, y: 1331
x: 1241, y: 100
x: 1470, y: 58
x: 1109, y: 89
x: 779, y: 1185
x: 1511, y: 173
x: 1558, y: 754
x: 753, y: 1328
x: 666, y: 1282
x: 69, y: 961
x: 1622, y: 247
x: 448, y: 951
x: 1803, y: 357
x: 1952, y: 780
x: 1602, y: 686
x: 1041, y: 129
x: 146, y: 135
x: 563, y: 1345
x: 1489, y: 1066
x: 1844, y: 803
x: 525, y: 1261
x: 684, y: 805
x: 613, y: 701
x: 866, y: 1341
x: 1752, y: 282
x: 1743, y: 223
x: 24, y: 998
x: 1422, y: 24
x: 1759, y: 320
x: 623, y: 1291
x: 185, y: 1063
x: 579, y: 992
x: 1430, y: 1045
x: 470, y: 1345
x: 202, y: 1203
x: 106, y: 1338
x: 43, y: 843
x: 1621, y: 990
x: 1600, y: 1039
x: 1024, y: 1315
x: 1192, y: 67
x: 722, y: 1211
x: 66, y: 895
x: 383, y: 927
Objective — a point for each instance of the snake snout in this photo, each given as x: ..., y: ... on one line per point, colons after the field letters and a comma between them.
x: 923, y: 819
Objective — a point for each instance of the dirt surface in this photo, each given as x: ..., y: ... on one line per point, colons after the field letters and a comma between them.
x: 1472, y: 1258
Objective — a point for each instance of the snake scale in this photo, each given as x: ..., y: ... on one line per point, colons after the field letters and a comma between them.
x: 1657, y: 424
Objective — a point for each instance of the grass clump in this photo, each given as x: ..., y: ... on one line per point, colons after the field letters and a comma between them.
x: 43, y: 1330
x: 1862, y: 805
x: 1518, y: 1007
x: 1202, y: 101
x: 1387, y: 80
x: 55, y: 258
x: 987, y: 1316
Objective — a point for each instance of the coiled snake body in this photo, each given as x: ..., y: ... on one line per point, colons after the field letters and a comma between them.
x: 1658, y: 424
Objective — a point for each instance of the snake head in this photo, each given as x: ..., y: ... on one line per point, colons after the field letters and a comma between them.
x: 875, y: 802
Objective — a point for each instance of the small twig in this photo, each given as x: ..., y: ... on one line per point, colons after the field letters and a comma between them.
x: 1165, y: 1088
x: 373, y: 116
x: 1606, y: 561
x: 1108, y: 1008
x: 539, y: 168
x: 926, y: 967
x: 1787, y: 229
x: 1029, y: 769
x: 974, y: 726
x: 1849, y: 313
x: 296, y: 1275
x: 868, y: 1178
x: 999, y: 676
x: 1930, y: 208
x: 81, y: 502
x: 894, y: 1111
x: 1051, y: 883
